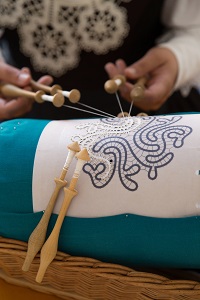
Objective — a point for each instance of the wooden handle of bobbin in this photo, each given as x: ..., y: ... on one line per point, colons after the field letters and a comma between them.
x: 111, y: 86
x: 137, y: 92
x: 10, y: 90
x: 73, y: 95
x: 47, y: 89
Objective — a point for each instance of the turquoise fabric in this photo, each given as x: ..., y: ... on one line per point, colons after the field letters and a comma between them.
x: 18, y: 142
x: 131, y: 240
x: 125, y: 239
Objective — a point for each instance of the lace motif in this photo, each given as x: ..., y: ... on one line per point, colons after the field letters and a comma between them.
x: 128, y: 146
x: 54, y: 32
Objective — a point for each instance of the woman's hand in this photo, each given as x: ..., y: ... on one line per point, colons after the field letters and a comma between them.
x: 161, y: 68
x: 13, y: 108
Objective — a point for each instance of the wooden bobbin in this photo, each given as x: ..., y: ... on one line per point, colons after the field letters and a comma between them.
x: 10, y: 90
x: 37, y: 237
x: 49, y: 249
x: 74, y: 95
x: 111, y: 86
x: 142, y: 114
x: 137, y: 92
x: 47, y: 89
x: 58, y: 99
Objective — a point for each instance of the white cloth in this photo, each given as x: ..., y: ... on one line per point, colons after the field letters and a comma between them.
x: 182, y: 19
x: 145, y: 166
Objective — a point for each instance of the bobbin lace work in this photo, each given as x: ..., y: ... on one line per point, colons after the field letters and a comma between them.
x: 54, y: 32
x: 128, y: 146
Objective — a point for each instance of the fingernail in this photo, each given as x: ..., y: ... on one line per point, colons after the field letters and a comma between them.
x: 132, y: 71
x: 23, y: 76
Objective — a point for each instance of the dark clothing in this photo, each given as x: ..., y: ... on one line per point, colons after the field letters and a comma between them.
x: 89, y: 75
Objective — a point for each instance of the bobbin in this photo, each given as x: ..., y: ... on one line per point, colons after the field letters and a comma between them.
x: 111, y: 86
x: 137, y: 93
x: 74, y: 95
x: 10, y: 90
x: 49, y: 249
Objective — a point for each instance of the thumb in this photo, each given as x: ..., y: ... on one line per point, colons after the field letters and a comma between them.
x: 148, y: 63
x: 13, y: 75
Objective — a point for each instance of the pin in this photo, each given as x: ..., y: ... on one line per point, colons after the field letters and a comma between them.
x: 49, y: 249
x: 37, y: 238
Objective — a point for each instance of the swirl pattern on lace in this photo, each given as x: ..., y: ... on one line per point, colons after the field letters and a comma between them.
x: 142, y: 146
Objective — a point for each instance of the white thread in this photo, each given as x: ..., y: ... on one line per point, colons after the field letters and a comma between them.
x: 69, y: 159
x: 79, y: 166
x: 96, y: 109
x: 118, y: 81
x: 118, y: 100
x: 90, y: 112
x: 66, y: 93
x: 47, y: 98
x: 131, y: 106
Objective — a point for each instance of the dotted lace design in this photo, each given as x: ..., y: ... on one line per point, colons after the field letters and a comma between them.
x: 128, y: 146
x: 54, y: 32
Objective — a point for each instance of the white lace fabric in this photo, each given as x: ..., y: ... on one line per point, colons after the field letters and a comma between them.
x: 54, y: 32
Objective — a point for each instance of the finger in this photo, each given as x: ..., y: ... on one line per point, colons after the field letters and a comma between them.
x: 13, y: 75
x: 154, y: 95
x: 14, y: 108
x: 125, y: 91
x: 111, y: 69
x: 47, y: 80
x: 121, y: 65
x: 26, y: 70
x: 149, y: 62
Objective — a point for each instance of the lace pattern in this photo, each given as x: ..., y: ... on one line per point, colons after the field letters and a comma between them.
x: 54, y: 32
x: 128, y: 146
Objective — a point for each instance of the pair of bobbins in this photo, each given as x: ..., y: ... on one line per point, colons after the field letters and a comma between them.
x: 57, y: 95
x: 10, y: 90
x: 112, y: 86
x: 74, y: 95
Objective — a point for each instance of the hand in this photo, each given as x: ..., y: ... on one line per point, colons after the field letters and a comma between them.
x: 161, y: 68
x: 13, y: 108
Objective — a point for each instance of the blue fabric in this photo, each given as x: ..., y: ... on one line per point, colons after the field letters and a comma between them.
x: 126, y: 239
x: 18, y: 142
